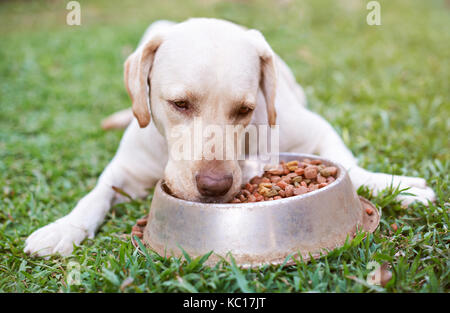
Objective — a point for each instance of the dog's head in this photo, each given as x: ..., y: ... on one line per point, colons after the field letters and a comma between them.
x: 201, y: 74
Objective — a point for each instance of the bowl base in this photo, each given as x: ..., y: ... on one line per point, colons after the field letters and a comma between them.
x: 369, y: 225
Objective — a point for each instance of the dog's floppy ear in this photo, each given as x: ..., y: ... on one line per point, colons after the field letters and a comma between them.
x: 136, y: 76
x: 268, y: 80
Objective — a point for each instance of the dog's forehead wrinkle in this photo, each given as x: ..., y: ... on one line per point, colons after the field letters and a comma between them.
x: 179, y: 92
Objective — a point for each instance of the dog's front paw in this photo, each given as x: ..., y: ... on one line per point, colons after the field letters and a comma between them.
x: 57, y: 237
x: 418, y: 194
x: 415, y: 188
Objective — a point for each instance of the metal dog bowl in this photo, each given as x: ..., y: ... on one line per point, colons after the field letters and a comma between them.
x: 261, y: 232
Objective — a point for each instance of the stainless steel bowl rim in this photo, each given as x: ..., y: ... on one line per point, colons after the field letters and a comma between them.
x: 265, y: 203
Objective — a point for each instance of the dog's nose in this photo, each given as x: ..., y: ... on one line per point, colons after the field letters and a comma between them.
x: 213, y: 185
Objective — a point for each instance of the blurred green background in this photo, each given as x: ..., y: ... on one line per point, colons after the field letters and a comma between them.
x: 384, y: 88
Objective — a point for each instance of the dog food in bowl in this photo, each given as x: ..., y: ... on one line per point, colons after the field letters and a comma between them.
x: 285, y: 180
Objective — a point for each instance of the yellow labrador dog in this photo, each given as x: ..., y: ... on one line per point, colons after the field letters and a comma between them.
x: 227, y: 75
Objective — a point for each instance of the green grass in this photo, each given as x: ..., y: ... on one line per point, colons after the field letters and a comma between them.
x: 384, y: 88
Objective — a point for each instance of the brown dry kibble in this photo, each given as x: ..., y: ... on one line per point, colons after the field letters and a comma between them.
x: 333, y: 170
x: 300, y: 171
x: 324, y: 173
x: 249, y: 187
x: 285, y: 180
x: 289, y: 191
x: 259, y: 197
x: 322, y: 185
x: 264, y: 188
x: 328, y: 171
x: 138, y: 229
x: 300, y: 190
x: 138, y: 234
x: 135, y: 228
x: 321, y: 179
x: 310, y: 172
x: 369, y: 211
x: 141, y: 222
x: 282, y: 184
x: 275, y: 179
x: 266, y: 185
x: 273, y: 192
x: 292, y: 165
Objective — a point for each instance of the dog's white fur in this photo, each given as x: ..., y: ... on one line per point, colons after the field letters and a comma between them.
x: 221, y: 62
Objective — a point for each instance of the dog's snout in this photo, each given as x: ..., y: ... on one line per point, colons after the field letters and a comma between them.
x: 213, y: 185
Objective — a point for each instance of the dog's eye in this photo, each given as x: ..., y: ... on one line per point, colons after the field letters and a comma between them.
x: 244, y: 110
x: 180, y: 104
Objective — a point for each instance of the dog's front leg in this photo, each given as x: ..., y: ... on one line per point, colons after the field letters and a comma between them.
x: 138, y: 164
x: 82, y: 222
x: 318, y: 136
